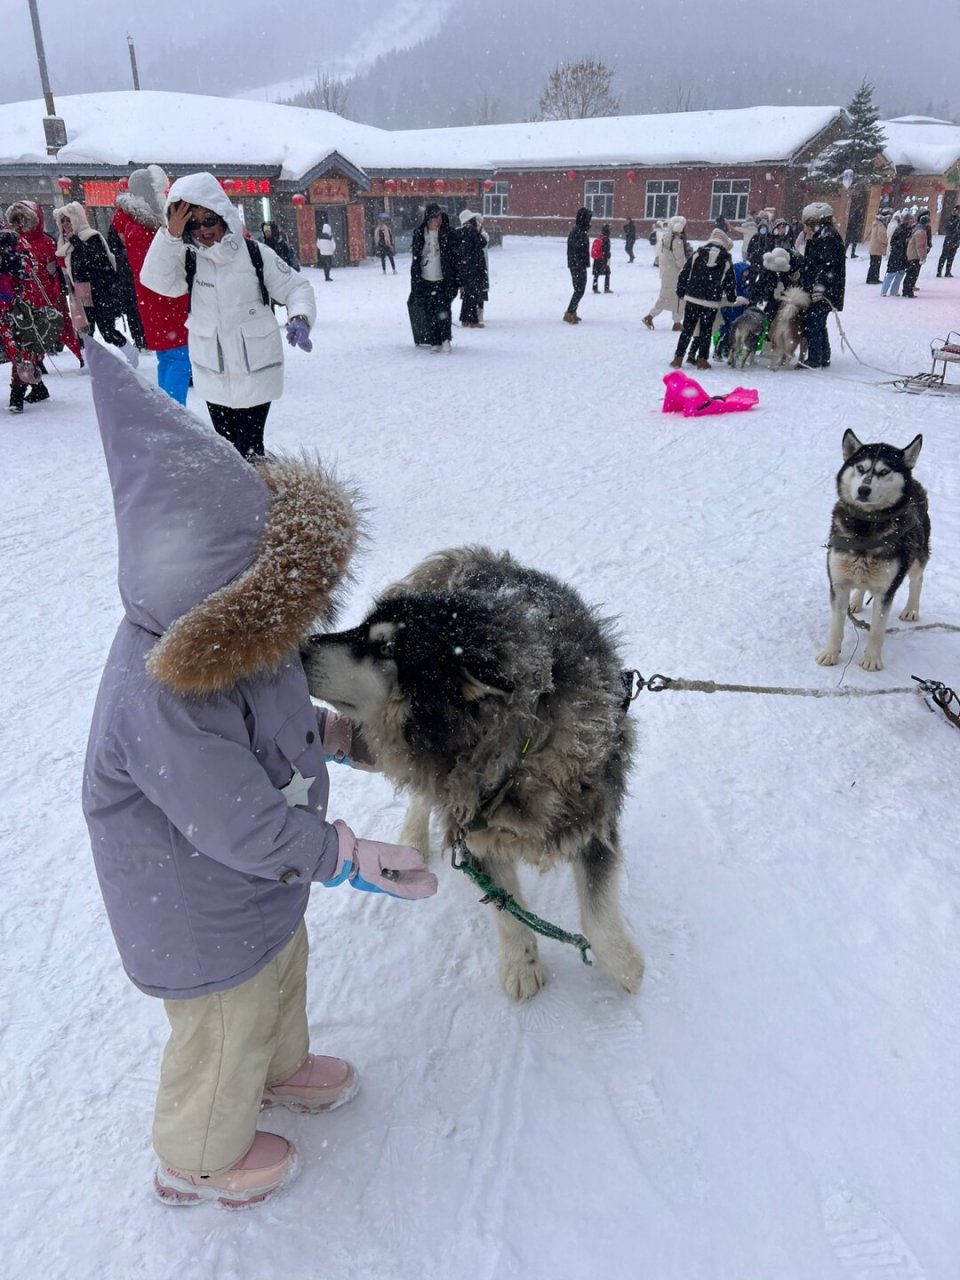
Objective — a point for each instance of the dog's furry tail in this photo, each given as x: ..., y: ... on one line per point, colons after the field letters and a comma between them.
x: 796, y: 297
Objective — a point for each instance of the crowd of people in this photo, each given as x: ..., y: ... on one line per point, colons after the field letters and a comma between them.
x: 220, y: 337
x: 705, y: 290
x: 143, y: 271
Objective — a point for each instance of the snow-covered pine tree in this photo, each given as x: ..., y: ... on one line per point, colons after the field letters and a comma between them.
x: 859, y: 150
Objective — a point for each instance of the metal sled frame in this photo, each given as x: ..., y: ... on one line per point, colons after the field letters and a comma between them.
x: 943, y: 352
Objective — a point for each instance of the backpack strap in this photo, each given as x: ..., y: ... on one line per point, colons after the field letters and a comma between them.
x: 256, y: 258
x: 190, y: 267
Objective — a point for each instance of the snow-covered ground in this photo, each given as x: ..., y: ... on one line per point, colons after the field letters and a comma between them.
x: 779, y: 1102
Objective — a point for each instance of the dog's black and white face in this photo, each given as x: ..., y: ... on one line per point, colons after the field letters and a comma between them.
x: 875, y: 476
x: 418, y: 658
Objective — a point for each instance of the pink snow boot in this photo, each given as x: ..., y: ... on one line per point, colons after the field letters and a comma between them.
x: 271, y: 1163
x: 321, y: 1084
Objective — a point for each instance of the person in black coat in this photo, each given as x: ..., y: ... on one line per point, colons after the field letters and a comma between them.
x: 273, y: 236
x: 578, y: 261
x: 823, y: 276
x: 706, y: 280
x: 126, y: 292
x: 433, y: 279
x: 629, y: 237
x: 91, y: 270
x: 472, y: 270
x: 951, y: 243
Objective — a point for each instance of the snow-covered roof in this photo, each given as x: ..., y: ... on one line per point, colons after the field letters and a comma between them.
x: 749, y: 135
x: 182, y: 128
x: 178, y: 128
x: 927, y: 145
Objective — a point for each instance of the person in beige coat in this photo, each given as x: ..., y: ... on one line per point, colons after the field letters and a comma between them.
x: 918, y: 246
x: 672, y: 258
x: 878, y: 245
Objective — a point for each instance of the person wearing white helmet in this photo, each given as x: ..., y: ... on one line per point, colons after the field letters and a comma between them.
x: 823, y: 276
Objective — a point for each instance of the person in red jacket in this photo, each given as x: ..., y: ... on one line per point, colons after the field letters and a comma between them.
x: 43, y: 285
x: 138, y: 217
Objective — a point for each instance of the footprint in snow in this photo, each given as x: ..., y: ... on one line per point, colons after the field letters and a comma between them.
x: 865, y: 1241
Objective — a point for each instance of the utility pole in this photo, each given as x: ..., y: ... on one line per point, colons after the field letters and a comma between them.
x: 55, y: 131
x: 133, y: 62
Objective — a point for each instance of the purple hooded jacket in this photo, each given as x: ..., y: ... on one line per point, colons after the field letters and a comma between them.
x: 203, y: 715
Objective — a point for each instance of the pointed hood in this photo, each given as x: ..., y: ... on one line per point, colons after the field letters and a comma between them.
x: 144, y: 198
x: 230, y: 564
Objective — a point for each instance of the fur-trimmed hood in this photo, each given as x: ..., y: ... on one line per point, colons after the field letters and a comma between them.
x: 229, y: 565
x: 28, y: 212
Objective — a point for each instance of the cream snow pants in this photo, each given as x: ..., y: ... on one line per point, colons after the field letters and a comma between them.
x: 223, y: 1049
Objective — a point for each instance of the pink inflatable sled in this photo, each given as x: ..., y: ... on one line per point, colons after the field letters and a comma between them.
x: 684, y: 395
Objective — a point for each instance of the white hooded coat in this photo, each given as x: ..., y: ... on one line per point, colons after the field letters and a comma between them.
x: 236, y: 347
x: 672, y: 258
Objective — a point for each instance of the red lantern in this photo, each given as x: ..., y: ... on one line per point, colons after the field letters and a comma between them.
x: 571, y: 176
x: 438, y: 184
x: 888, y: 189
x: 938, y: 186
x: 631, y: 175
x: 298, y: 200
x: 390, y: 185
x: 123, y: 184
x: 488, y: 184
x: 65, y: 184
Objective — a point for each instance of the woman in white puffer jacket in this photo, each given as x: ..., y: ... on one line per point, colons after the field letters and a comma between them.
x: 236, y: 348
x: 674, y: 252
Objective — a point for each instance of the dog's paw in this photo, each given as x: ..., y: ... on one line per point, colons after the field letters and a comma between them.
x: 624, y: 964
x: 910, y: 615
x: 828, y: 657
x: 871, y: 662
x: 522, y: 975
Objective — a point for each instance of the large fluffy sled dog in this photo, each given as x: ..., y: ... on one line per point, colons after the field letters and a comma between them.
x: 786, y: 338
x: 879, y: 534
x: 493, y: 694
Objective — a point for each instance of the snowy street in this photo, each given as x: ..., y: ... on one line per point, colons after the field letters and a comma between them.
x: 779, y: 1101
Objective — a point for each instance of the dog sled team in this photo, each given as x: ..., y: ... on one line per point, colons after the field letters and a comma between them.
x: 778, y: 298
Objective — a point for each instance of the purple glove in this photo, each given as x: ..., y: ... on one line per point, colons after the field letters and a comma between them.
x: 380, y: 868
x: 298, y: 334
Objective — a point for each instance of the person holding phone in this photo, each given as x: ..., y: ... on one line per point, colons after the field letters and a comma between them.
x: 236, y: 350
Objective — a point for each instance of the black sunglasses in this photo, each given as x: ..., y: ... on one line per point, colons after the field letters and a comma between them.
x: 195, y: 224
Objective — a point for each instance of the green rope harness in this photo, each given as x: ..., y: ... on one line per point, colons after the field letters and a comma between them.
x: 464, y: 861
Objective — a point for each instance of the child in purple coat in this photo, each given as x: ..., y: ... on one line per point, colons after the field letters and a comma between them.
x: 205, y: 785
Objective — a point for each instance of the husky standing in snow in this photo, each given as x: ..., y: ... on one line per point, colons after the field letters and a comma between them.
x: 879, y: 534
x: 494, y: 694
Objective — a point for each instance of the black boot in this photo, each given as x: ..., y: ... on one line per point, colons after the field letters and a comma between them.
x: 16, y: 398
x: 37, y: 393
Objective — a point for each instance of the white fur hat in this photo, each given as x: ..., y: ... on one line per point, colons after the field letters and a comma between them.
x: 467, y: 215
x: 818, y: 211
x: 777, y: 260
x: 677, y: 223
x: 720, y: 237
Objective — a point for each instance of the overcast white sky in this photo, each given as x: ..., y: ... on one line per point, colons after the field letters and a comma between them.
x: 909, y: 50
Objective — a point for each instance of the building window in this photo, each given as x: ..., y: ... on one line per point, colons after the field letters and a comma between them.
x: 730, y: 199
x: 662, y: 198
x: 598, y: 197
x: 495, y: 201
